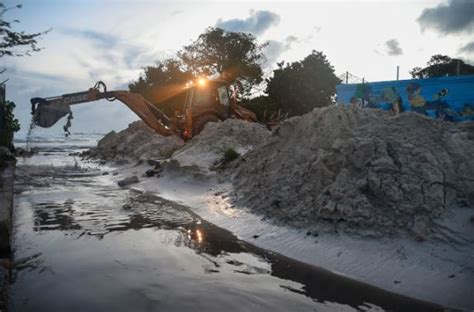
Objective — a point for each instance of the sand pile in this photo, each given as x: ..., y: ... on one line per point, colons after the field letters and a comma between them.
x: 207, y: 149
x: 350, y: 169
x: 136, y: 142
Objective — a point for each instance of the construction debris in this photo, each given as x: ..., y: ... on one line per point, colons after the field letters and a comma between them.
x: 127, y: 181
x: 360, y: 170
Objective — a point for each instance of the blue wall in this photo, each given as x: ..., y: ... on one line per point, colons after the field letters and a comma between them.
x: 447, y: 98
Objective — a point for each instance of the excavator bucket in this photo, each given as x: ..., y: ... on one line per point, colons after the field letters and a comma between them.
x: 47, y: 113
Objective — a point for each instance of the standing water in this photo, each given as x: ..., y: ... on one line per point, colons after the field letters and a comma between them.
x: 83, y: 244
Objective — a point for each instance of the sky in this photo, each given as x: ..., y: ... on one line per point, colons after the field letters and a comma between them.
x: 91, y: 40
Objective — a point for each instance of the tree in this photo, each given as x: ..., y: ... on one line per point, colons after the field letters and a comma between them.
x: 13, y: 43
x: 440, y: 66
x: 168, y: 71
x: 235, y: 57
x: 301, y: 86
x: 162, y: 82
x: 12, y: 125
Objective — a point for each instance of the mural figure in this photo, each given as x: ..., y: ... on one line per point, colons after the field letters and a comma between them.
x: 392, y: 97
x: 416, y: 101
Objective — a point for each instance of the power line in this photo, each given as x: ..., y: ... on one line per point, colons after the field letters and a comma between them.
x: 348, y: 78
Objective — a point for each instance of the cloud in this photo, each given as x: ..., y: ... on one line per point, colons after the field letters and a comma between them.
x: 113, y: 59
x: 257, y: 23
x: 99, y: 38
x: 393, y: 47
x: 455, y: 16
x: 468, y: 48
x: 275, y: 49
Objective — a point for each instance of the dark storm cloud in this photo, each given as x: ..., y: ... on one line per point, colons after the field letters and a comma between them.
x: 455, y: 16
x: 393, y: 47
x: 468, y: 48
x: 257, y: 23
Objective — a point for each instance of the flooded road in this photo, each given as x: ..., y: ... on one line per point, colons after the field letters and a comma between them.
x: 83, y: 244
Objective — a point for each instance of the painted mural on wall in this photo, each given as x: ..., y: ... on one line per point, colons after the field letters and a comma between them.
x: 446, y: 98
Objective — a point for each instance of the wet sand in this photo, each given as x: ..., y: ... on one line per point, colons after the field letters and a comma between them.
x: 83, y: 244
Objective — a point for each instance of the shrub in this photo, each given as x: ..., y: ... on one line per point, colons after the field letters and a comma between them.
x: 11, y: 126
x: 229, y: 155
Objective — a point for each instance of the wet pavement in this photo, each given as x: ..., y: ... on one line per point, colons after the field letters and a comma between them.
x: 83, y: 244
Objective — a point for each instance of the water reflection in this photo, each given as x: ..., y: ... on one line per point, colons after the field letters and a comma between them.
x: 51, y: 216
x: 218, y: 247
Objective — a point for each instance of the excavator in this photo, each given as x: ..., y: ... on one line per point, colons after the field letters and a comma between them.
x: 181, y: 110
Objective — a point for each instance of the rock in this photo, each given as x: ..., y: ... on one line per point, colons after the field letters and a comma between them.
x: 153, y: 162
x: 150, y: 172
x: 128, y: 181
x: 127, y: 207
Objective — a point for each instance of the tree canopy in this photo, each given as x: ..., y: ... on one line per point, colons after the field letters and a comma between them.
x: 299, y: 87
x: 166, y: 72
x: 233, y: 56
x: 162, y: 82
x: 440, y: 66
x: 16, y: 43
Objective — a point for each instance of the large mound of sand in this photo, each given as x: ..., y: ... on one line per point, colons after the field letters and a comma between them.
x: 207, y: 148
x: 352, y: 169
x: 136, y: 142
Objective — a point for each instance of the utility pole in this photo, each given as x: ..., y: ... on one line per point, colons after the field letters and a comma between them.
x: 347, y: 77
x: 2, y: 108
x: 458, y: 68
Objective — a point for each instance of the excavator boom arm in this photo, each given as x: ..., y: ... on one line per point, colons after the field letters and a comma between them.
x: 47, y: 111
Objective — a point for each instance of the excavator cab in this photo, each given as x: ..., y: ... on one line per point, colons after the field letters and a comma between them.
x: 176, y: 109
x: 206, y: 101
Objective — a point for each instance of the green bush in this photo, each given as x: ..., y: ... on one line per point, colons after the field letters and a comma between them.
x: 12, y: 125
x: 263, y: 106
x: 229, y: 155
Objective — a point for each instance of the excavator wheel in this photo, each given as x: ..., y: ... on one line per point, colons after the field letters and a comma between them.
x: 200, y: 122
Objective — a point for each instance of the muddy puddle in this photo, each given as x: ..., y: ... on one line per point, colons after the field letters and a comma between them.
x: 83, y: 244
